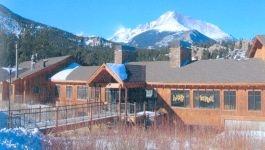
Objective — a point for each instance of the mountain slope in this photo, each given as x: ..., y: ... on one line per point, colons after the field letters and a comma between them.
x: 171, y: 22
x: 33, y: 37
x: 154, y: 38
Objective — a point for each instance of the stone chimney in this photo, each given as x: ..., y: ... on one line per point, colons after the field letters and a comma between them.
x: 123, y: 54
x: 180, y: 54
x: 32, y: 62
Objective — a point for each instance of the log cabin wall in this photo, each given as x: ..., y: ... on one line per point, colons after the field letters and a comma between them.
x: 37, y: 87
x: 215, y: 117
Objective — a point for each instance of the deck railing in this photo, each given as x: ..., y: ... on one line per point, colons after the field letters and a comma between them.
x: 55, y: 116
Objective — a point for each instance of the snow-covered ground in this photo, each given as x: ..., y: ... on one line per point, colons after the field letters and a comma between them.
x: 20, y: 139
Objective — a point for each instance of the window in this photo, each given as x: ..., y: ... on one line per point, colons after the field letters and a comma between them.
x: 95, y: 92
x: 36, y: 89
x: 254, y: 100
x: 180, y: 98
x: 57, y: 91
x: 82, y: 92
x: 206, y: 99
x: 229, y: 100
x: 69, y: 92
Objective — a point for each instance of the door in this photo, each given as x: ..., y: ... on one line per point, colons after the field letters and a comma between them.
x: 112, y: 96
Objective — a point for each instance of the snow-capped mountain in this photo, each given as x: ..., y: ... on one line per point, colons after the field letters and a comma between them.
x: 97, y: 41
x: 154, y: 38
x: 171, y: 22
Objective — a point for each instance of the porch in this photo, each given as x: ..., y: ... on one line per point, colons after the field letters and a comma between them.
x: 112, y: 85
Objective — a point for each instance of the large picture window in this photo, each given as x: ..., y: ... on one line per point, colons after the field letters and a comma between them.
x: 82, y: 92
x: 254, y: 100
x: 206, y: 99
x: 180, y: 98
x: 230, y: 100
x: 69, y: 92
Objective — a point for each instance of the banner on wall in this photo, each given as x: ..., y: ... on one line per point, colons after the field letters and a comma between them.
x: 206, y: 99
x: 176, y: 97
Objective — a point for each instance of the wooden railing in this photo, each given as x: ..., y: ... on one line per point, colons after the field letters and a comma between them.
x: 48, y: 117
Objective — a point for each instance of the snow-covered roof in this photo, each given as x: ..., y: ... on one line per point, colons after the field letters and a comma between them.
x: 62, y: 75
x: 119, y: 70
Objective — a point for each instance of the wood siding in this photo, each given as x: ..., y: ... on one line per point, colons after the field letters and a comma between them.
x: 74, y: 100
x: 24, y: 89
x: 260, y: 53
x: 215, y: 117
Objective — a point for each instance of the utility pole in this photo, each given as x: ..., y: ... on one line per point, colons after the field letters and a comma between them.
x: 9, y: 97
x: 16, y: 61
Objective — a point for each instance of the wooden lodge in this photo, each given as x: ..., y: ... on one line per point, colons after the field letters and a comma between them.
x: 33, y: 83
x: 204, y: 92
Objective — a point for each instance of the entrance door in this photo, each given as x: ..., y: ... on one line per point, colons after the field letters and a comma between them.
x: 112, y: 96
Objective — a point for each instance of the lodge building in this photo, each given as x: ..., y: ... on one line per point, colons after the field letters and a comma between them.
x: 203, y: 92
x: 33, y: 83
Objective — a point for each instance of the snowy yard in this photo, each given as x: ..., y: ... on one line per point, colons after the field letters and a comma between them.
x: 165, y: 137
x: 124, y: 137
x: 20, y: 139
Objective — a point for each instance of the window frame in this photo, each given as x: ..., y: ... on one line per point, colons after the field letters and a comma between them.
x: 224, y: 100
x: 93, y: 92
x: 69, y: 86
x: 186, y: 104
x: 85, y: 89
x: 254, y: 110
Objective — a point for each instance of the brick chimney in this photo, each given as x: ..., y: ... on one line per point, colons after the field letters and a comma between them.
x: 180, y: 54
x: 123, y: 54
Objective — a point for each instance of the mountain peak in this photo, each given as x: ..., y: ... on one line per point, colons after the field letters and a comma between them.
x: 168, y: 22
x: 172, y: 21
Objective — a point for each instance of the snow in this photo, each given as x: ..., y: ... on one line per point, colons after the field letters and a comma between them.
x: 149, y: 113
x: 12, y: 69
x: 10, y: 25
x: 119, y: 70
x: 4, y: 119
x: 171, y: 22
x: 238, y: 54
x: 20, y: 138
x: 62, y: 75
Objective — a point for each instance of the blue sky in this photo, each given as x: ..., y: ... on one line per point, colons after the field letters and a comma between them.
x: 241, y: 18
